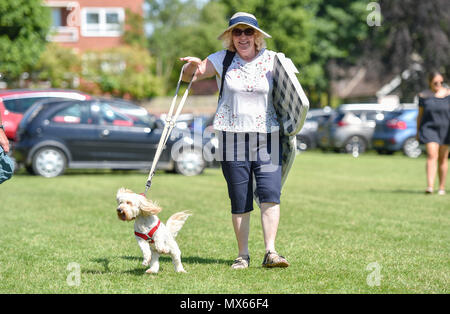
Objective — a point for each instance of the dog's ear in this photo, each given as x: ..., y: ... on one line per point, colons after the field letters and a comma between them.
x: 148, y: 207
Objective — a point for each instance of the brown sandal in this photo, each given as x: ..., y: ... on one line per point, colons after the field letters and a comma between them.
x: 241, y: 262
x: 272, y: 259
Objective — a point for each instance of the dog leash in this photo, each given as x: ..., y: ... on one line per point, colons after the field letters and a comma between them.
x: 171, y: 120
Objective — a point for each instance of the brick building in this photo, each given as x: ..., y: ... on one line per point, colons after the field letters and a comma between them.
x: 90, y: 24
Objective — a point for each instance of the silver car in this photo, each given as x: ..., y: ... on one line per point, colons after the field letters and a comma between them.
x: 351, y: 127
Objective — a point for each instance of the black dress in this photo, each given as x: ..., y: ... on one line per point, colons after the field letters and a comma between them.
x: 435, y: 123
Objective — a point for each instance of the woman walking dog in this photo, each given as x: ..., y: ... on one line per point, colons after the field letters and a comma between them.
x: 247, y: 127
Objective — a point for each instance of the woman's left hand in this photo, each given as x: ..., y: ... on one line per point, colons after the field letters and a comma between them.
x: 203, y: 69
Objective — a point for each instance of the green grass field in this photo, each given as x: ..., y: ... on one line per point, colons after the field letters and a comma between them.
x: 340, y: 216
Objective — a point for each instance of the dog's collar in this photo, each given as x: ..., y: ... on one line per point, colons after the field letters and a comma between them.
x: 149, y: 236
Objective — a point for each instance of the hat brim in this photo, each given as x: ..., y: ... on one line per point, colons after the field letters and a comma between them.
x: 243, y: 23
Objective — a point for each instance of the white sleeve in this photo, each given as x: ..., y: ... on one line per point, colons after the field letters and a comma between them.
x: 217, y: 60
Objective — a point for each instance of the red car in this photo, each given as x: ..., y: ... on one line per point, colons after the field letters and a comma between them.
x: 14, y: 103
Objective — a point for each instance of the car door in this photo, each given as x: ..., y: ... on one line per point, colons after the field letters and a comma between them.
x: 369, y: 123
x: 71, y: 125
x: 120, y: 140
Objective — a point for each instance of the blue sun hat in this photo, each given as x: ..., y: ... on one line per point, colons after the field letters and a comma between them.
x: 245, y: 19
x: 6, y: 166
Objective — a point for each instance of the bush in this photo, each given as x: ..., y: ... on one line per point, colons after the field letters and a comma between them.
x: 60, y: 66
x: 122, y: 72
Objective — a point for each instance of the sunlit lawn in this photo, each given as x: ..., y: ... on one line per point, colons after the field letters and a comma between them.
x: 345, y: 223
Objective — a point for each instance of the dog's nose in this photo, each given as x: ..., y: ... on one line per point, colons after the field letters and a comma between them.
x: 119, y: 210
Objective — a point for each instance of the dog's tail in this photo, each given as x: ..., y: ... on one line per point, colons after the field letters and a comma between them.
x: 176, y: 222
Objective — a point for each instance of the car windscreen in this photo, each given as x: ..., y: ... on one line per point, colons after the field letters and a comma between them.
x: 138, y: 115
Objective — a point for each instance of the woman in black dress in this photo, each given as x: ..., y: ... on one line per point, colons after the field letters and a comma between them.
x: 433, y: 129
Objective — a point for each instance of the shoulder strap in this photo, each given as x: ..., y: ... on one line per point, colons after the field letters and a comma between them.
x: 226, y: 63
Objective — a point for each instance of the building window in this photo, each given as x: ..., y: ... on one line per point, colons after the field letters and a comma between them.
x: 102, y: 22
x: 65, y: 21
x: 56, y: 17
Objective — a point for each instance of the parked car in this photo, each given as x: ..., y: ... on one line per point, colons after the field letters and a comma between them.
x: 183, y: 120
x: 307, y: 137
x: 14, y: 102
x: 101, y: 134
x: 397, y: 132
x: 351, y: 126
x: 201, y: 122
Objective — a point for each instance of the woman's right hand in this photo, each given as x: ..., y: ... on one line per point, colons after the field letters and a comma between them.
x: 4, y: 143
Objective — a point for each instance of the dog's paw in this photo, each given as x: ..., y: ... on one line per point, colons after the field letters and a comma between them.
x: 180, y: 270
x: 146, y: 262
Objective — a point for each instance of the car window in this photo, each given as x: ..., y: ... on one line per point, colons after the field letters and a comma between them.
x: 20, y: 105
x: 353, y: 117
x: 139, y: 116
x: 338, y: 117
x: 393, y: 114
x: 108, y: 115
x: 72, y: 115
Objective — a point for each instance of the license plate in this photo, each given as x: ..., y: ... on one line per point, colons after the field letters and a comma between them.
x: 378, y: 143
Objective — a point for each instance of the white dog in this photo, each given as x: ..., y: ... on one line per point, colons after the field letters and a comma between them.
x: 154, y: 238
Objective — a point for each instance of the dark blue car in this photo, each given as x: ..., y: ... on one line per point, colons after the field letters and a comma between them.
x: 397, y: 132
x: 100, y: 134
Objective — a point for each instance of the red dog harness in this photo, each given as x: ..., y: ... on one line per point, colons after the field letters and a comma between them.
x: 149, y: 236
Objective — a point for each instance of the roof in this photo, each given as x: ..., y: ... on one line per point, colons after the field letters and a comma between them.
x: 8, y: 92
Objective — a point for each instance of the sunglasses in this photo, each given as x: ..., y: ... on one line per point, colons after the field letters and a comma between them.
x: 238, y: 32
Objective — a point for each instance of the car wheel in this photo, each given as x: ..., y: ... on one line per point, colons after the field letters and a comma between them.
x: 411, y: 148
x: 49, y: 162
x: 190, y: 162
x: 355, y: 145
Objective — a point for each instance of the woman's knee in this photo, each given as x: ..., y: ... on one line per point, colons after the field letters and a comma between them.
x: 443, y: 154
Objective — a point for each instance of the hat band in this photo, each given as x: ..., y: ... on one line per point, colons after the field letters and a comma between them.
x: 243, y: 19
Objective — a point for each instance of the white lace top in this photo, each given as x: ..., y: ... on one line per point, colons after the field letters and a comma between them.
x: 246, y: 103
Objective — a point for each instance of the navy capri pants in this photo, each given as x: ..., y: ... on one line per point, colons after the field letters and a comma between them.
x: 247, y: 157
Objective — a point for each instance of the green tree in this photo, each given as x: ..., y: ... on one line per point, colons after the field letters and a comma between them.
x: 61, y: 66
x: 182, y: 28
x: 312, y: 33
x: 24, y: 25
x: 121, y: 72
x: 414, y: 31
x: 134, y: 33
x: 294, y: 28
x: 342, y: 31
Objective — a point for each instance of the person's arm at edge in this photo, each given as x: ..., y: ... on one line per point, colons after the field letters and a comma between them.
x: 3, y: 139
x: 419, y: 118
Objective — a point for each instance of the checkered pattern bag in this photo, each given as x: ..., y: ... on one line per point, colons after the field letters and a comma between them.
x: 6, y: 166
x: 289, y: 99
x: 291, y: 106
